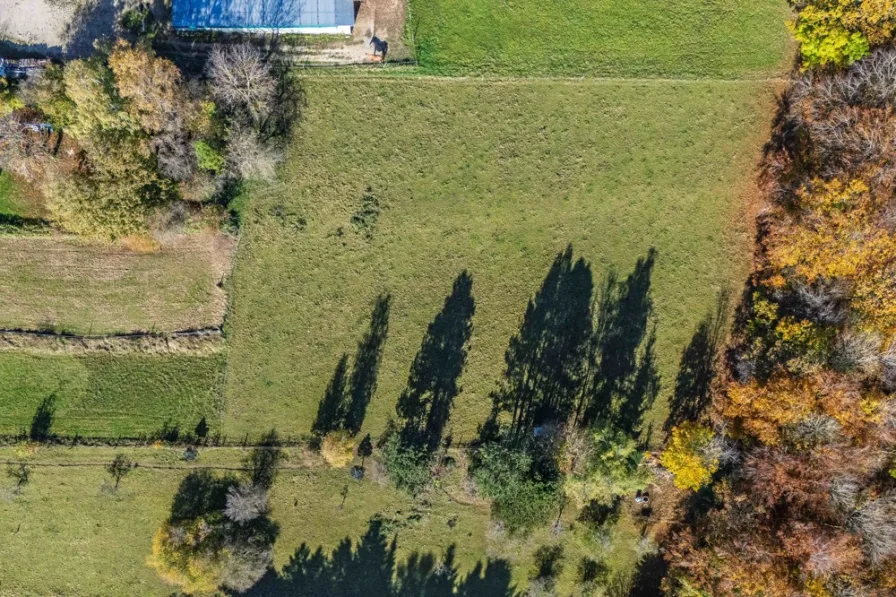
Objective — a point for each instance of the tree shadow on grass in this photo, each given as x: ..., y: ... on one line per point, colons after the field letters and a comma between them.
x: 544, y: 361
x: 648, y: 578
x: 42, y: 422
x: 331, y: 410
x: 621, y: 385
x: 345, y: 400
x: 362, y: 384
x: 369, y: 570
x: 199, y: 493
x: 697, y: 368
x: 425, y: 405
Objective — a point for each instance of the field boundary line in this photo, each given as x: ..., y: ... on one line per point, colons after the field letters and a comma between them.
x: 204, y: 341
x: 408, y: 76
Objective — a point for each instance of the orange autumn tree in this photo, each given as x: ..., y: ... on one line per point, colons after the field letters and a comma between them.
x: 835, y: 233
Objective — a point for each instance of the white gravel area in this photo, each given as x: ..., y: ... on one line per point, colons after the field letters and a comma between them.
x: 58, y: 27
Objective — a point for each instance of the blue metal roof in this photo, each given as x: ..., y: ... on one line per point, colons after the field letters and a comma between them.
x: 260, y: 14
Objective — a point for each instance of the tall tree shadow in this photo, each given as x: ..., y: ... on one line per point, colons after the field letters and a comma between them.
x: 619, y: 383
x: 544, y: 360
x: 647, y: 581
x: 369, y: 570
x: 698, y: 367
x: 345, y: 401
x: 331, y: 411
x: 42, y: 422
x: 425, y: 405
x: 362, y: 384
x: 642, y: 391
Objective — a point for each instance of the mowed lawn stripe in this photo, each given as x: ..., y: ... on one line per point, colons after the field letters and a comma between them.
x: 610, y: 38
x: 491, y: 177
x: 99, y: 395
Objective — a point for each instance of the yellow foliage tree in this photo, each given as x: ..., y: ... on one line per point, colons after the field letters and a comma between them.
x: 337, y: 448
x: 837, y: 235
x: 687, y: 458
x: 762, y: 409
x: 96, y: 107
x: 842, y: 31
x: 181, y: 557
x: 152, y: 87
x: 876, y: 19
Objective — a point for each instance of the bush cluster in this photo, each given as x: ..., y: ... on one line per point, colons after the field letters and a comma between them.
x: 137, y: 136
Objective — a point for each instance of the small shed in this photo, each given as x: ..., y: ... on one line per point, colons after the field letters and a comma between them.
x: 283, y: 16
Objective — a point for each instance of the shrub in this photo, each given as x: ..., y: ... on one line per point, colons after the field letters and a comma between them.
x: 408, y: 466
x: 337, y: 448
x: 685, y: 456
x: 520, y: 499
x: 208, y: 157
x: 613, y: 467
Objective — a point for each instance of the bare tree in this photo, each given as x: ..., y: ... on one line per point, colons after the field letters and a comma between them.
x: 823, y: 301
x: 815, y: 429
x: 888, y: 368
x: 241, y: 80
x: 248, y: 157
x: 857, y: 350
x: 876, y: 523
x: 120, y: 466
x: 843, y: 492
x: 23, y: 150
x: 246, y: 502
x: 247, y: 563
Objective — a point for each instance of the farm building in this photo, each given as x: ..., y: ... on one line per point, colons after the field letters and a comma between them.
x: 284, y: 16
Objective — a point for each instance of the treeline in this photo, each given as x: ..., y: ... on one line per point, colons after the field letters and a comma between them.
x: 565, y: 441
x: 795, y: 462
x: 123, y: 144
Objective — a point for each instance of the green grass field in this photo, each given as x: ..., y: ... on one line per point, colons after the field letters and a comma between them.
x: 608, y: 38
x: 65, y: 535
x: 13, y: 202
x: 494, y: 178
x: 109, y: 396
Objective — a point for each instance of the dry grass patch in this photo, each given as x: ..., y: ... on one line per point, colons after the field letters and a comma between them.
x: 60, y: 283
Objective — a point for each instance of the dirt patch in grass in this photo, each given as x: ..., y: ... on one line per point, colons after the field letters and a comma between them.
x: 62, y: 284
x: 200, y: 342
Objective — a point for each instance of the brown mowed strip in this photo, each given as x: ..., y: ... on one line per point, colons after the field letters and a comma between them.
x: 65, y: 284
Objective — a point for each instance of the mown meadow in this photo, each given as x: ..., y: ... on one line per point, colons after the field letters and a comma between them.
x: 494, y: 179
x: 605, y: 38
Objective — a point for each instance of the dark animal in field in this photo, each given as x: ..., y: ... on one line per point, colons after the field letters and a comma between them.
x: 379, y: 45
